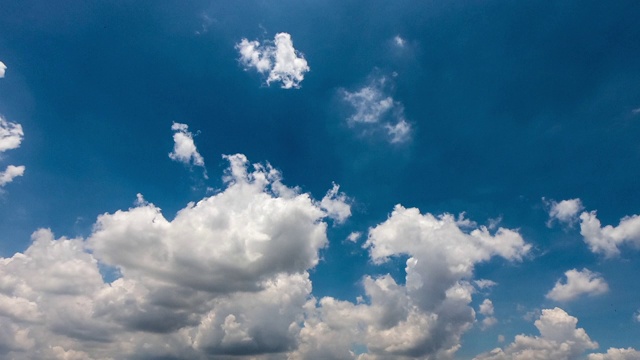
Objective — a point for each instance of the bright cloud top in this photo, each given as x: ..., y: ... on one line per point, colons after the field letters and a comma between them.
x: 565, y: 211
x: 559, y: 340
x: 279, y: 60
x: 3, y: 67
x: 578, y: 283
x: 617, y: 354
x: 374, y: 110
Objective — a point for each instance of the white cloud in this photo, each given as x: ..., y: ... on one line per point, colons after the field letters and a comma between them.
x: 10, y: 173
x: 606, y: 240
x: 559, y: 340
x: 184, y: 149
x: 399, y: 41
x: 617, y: 354
x: 484, y: 283
x: 336, y: 204
x: 423, y: 318
x: 227, y: 276
x: 10, y: 135
x: 486, y: 309
x: 376, y: 111
x: 3, y: 67
x: 578, y: 283
x: 354, y: 236
x: 10, y: 138
x: 565, y: 211
x: 279, y: 59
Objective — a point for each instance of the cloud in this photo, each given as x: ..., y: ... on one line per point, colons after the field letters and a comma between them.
x: 606, y: 240
x: 375, y: 111
x: 565, y: 211
x: 227, y: 276
x: 486, y: 309
x: 427, y: 315
x: 10, y: 173
x: 184, y: 149
x: 279, y: 60
x: 616, y: 354
x: 578, y: 283
x: 10, y: 135
x: 10, y: 138
x: 400, y: 42
x: 336, y: 204
x: 3, y: 67
x: 559, y: 340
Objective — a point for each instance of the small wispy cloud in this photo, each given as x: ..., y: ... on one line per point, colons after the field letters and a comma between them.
x: 374, y: 110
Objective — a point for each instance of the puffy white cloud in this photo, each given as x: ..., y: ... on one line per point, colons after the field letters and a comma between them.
x: 10, y: 173
x: 559, y: 340
x: 227, y: 276
x: 376, y: 111
x: 616, y: 354
x: 336, y: 204
x: 565, y: 211
x: 606, y: 240
x: 184, y: 149
x: 10, y: 135
x: 423, y: 318
x: 486, y: 309
x: 3, y: 67
x: 578, y: 283
x: 279, y: 60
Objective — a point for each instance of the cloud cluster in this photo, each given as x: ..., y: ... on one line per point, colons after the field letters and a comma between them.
x: 425, y: 317
x: 227, y: 276
x: 559, y: 339
x: 616, y: 354
x: 601, y: 240
x: 375, y: 111
x: 578, y: 283
x: 279, y: 60
x: 11, y: 135
x: 486, y: 309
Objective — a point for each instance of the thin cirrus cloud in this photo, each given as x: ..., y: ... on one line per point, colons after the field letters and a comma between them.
x: 375, y: 111
x: 278, y: 60
x: 578, y: 283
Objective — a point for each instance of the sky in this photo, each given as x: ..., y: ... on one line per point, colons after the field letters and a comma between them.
x: 320, y: 180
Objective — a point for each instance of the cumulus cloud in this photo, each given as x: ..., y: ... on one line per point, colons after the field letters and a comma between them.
x: 606, y: 240
x: 486, y: 309
x: 10, y: 135
x: 279, y: 60
x: 565, y: 211
x: 427, y: 315
x: 617, y: 354
x: 559, y: 339
x: 376, y: 111
x: 578, y: 283
x: 227, y: 276
x: 184, y: 149
x: 3, y: 67
x: 399, y: 41
x: 10, y: 173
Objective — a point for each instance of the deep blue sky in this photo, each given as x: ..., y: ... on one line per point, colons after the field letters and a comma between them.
x: 509, y: 102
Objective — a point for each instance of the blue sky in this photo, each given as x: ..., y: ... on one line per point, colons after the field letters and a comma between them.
x: 316, y: 180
